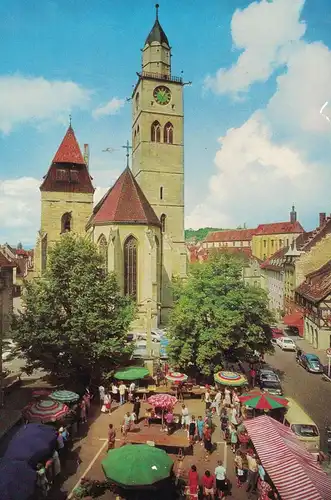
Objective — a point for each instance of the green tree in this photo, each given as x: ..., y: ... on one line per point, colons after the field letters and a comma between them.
x: 216, y: 314
x: 200, y: 234
x: 74, y: 320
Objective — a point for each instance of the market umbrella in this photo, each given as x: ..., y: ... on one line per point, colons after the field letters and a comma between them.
x: 41, y: 393
x: 230, y: 378
x: 65, y: 396
x: 17, y: 480
x: 136, y: 465
x: 176, y: 376
x: 163, y: 401
x: 131, y: 373
x: 32, y: 443
x: 262, y: 400
x: 46, y: 410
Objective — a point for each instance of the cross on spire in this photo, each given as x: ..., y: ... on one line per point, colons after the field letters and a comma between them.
x: 127, y: 147
x: 157, y: 11
x: 70, y: 120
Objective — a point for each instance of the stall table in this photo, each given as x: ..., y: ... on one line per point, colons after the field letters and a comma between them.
x: 180, y: 442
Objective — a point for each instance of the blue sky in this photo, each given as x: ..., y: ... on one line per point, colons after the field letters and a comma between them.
x: 255, y: 141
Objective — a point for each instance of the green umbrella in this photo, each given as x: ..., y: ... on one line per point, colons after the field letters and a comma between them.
x: 135, y: 465
x: 131, y: 373
x: 65, y: 396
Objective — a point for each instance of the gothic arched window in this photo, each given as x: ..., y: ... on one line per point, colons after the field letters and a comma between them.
x: 66, y: 222
x: 168, y: 133
x: 103, y: 249
x: 130, y: 267
x: 163, y: 223
x: 156, y: 132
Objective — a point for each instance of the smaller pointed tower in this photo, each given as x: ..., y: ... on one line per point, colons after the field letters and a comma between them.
x: 156, y: 51
x: 66, y: 198
x: 293, y: 215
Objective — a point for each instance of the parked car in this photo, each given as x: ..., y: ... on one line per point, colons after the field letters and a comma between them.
x: 311, y: 363
x: 286, y: 344
x: 269, y: 381
x: 143, y: 336
x: 267, y: 374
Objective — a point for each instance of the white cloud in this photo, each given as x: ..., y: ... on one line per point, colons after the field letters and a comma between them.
x: 264, y: 32
x: 266, y: 163
x: 112, y: 107
x: 29, y: 99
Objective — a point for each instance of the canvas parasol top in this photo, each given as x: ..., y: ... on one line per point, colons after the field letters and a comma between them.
x: 164, y: 401
x: 131, y: 373
x: 46, y: 410
x: 65, y: 396
x: 233, y: 379
x: 176, y: 376
x: 144, y: 465
x: 262, y: 400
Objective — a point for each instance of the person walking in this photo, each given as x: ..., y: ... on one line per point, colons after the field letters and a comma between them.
x: 207, y: 441
x: 207, y: 397
x: 200, y: 427
x: 193, y: 483
x: 136, y: 408
x: 208, y: 481
x: 126, y: 423
x: 114, y: 391
x: 185, y: 417
x: 101, y: 394
x: 239, y: 469
x: 227, y: 397
x: 107, y: 403
x: 111, y: 437
x: 132, y: 388
x: 42, y: 481
x: 224, y: 423
x: 252, y: 473
x: 192, y: 430
x: 233, y: 438
x: 252, y: 374
x: 122, y: 391
x: 220, y: 475
x: 218, y: 402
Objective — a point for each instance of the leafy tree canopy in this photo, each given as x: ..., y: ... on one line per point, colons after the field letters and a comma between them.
x: 200, y: 234
x: 74, y: 320
x: 216, y: 314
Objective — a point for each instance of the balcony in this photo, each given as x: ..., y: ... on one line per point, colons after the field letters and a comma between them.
x: 158, y: 76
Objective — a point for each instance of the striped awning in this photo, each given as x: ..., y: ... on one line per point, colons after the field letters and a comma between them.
x: 293, y: 470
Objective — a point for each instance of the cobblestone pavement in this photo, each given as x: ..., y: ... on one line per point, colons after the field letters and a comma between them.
x: 91, y: 450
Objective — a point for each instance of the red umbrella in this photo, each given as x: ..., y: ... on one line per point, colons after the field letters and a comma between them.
x: 45, y: 411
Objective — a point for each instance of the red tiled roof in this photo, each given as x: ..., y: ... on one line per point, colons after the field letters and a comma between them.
x: 317, y: 235
x: 275, y: 261
x: 279, y: 228
x: 317, y: 284
x: 69, y: 150
x: 125, y: 202
x: 4, y: 262
x: 68, y: 173
x: 199, y: 253
x: 231, y: 235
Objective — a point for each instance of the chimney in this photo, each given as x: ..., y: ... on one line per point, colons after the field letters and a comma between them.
x: 322, y: 218
x: 87, y: 155
x: 293, y: 215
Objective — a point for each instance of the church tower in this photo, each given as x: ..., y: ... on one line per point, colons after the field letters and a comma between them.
x: 158, y: 152
x: 66, y: 198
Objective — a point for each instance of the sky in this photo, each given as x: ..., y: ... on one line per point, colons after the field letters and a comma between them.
x: 255, y: 139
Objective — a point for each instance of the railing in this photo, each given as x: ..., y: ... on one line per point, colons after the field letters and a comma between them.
x: 159, y: 76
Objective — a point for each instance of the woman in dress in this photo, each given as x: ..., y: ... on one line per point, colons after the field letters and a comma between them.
x: 227, y: 397
x: 207, y: 441
x: 107, y: 402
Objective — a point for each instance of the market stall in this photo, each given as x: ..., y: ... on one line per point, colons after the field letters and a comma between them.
x: 292, y: 469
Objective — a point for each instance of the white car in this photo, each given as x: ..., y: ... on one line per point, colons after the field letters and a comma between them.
x: 286, y: 344
x: 143, y: 336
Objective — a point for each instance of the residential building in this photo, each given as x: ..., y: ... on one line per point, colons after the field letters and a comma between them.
x: 273, y: 281
x: 314, y: 296
x: 230, y: 238
x: 269, y: 238
x: 6, y: 293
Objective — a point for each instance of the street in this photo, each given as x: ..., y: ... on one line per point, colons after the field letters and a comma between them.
x: 308, y: 389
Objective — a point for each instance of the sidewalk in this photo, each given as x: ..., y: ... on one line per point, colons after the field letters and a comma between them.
x: 306, y: 346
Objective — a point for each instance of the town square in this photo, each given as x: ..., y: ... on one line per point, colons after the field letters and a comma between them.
x: 165, y: 302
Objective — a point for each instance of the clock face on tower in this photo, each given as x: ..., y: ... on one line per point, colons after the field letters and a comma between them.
x: 162, y: 95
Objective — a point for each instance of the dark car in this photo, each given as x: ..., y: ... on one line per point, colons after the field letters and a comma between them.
x: 311, y: 363
x: 269, y: 381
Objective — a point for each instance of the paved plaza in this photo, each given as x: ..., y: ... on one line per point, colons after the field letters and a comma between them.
x: 93, y: 448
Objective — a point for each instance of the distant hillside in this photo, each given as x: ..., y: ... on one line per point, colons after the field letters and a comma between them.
x: 199, y: 234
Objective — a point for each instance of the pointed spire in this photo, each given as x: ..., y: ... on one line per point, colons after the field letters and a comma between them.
x: 69, y: 150
x: 157, y: 11
x: 157, y: 34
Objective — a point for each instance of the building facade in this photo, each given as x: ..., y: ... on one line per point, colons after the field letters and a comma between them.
x: 7, y: 269
x: 230, y: 238
x: 269, y: 238
x: 273, y: 278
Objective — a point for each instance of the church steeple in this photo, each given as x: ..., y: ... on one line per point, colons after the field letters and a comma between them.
x: 156, y: 51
